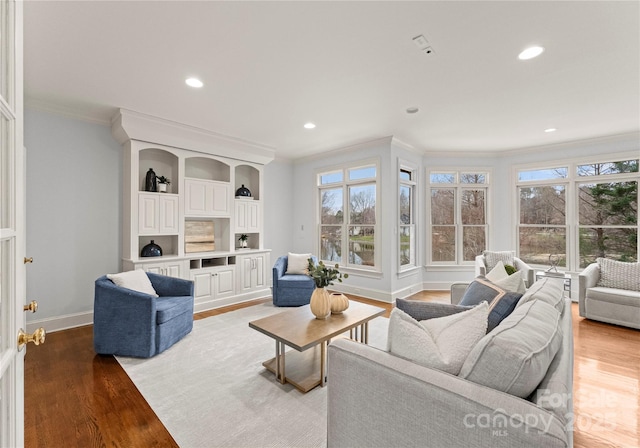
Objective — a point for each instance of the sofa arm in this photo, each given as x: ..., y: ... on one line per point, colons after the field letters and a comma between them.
x: 122, y: 315
x: 528, y: 274
x: 279, y: 268
x: 588, y: 278
x: 480, y: 266
x: 376, y: 399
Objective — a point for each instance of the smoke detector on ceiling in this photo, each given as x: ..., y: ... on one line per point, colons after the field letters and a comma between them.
x: 423, y: 44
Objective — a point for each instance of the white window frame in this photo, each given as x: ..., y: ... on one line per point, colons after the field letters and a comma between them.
x: 345, y: 184
x: 413, y: 185
x: 458, y: 187
x: 572, y: 182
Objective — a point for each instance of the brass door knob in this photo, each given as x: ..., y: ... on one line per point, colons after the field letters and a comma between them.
x: 33, y: 306
x: 28, y: 260
x: 37, y: 337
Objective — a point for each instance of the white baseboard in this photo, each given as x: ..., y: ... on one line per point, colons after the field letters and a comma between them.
x: 58, y: 323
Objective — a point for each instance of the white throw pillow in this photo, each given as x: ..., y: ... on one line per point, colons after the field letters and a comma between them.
x: 298, y: 264
x: 443, y: 343
x: 512, y: 283
x: 497, y: 273
x: 136, y: 280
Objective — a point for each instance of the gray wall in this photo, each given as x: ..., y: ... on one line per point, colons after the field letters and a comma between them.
x: 73, y: 195
x: 278, y: 208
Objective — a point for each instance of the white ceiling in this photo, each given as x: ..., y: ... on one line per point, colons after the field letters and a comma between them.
x: 350, y: 67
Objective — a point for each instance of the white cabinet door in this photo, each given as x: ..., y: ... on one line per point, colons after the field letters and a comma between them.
x: 168, y: 268
x: 225, y: 282
x: 246, y: 271
x: 212, y: 284
x: 168, y: 222
x: 252, y: 271
x: 253, y: 217
x: 157, y: 214
x: 202, y: 285
x: 198, y: 196
x: 220, y: 204
x: 206, y: 198
x: 148, y: 214
x: 248, y: 216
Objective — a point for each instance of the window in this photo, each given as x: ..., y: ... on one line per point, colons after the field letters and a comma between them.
x: 348, y: 215
x: 406, y: 218
x: 592, y: 207
x: 608, y: 211
x: 458, y: 215
x: 542, y: 227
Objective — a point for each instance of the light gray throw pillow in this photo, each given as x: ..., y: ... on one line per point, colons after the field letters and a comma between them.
x: 516, y: 355
x: 619, y: 274
x: 442, y: 343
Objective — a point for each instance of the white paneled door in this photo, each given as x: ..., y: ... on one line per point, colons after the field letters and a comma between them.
x: 12, y: 227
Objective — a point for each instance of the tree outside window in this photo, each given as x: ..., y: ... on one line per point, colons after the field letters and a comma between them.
x: 347, y: 200
x: 458, y: 211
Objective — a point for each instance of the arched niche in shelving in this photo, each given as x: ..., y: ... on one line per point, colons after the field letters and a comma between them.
x: 163, y: 163
x: 207, y: 169
x: 248, y: 176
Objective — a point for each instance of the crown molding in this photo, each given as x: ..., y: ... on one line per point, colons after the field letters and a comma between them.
x: 57, y: 109
x: 130, y: 125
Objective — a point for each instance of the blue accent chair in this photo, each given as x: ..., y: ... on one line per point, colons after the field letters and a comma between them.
x: 291, y: 289
x: 131, y: 323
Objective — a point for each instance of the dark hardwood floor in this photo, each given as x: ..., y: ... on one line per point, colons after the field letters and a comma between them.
x: 75, y: 398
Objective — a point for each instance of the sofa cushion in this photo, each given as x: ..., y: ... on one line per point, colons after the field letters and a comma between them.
x: 169, y: 307
x: 491, y: 258
x: 296, y: 281
x: 136, y: 280
x: 547, y: 289
x: 441, y: 343
x: 298, y: 264
x: 615, y: 296
x: 515, y: 356
x: 619, y: 275
x: 421, y: 310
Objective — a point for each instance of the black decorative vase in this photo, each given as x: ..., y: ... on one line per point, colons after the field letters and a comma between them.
x: 243, y: 191
x: 150, y: 183
x: 151, y: 250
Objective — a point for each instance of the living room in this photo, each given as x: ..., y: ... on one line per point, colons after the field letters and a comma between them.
x: 75, y: 229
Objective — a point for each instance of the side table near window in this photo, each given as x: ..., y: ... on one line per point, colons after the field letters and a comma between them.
x: 553, y: 274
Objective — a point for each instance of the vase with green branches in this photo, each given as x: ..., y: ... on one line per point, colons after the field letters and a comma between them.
x: 323, y: 276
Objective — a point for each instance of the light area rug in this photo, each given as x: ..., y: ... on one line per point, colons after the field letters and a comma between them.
x: 211, y: 390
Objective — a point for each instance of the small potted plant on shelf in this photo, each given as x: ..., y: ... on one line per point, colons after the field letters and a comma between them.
x: 243, y: 240
x: 162, y: 183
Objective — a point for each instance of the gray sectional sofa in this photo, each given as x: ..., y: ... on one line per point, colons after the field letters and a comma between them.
x: 609, y: 291
x: 377, y: 399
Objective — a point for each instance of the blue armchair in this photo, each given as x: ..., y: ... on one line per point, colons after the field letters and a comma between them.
x: 131, y: 323
x: 288, y: 289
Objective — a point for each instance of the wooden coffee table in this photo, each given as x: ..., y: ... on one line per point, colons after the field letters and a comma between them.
x: 298, y: 328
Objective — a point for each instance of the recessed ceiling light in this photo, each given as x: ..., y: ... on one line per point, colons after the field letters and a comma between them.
x: 194, y: 82
x: 309, y: 125
x: 530, y: 53
x: 550, y: 130
x: 412, y: 110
